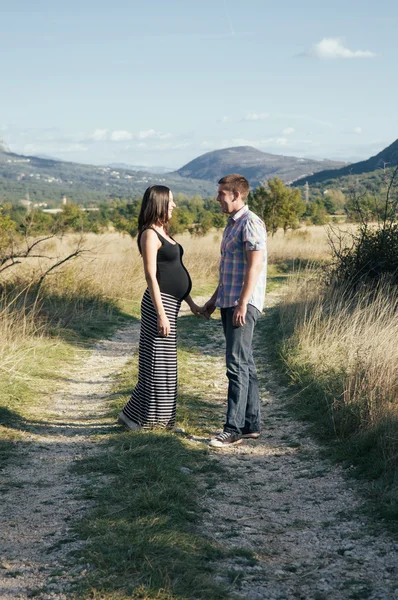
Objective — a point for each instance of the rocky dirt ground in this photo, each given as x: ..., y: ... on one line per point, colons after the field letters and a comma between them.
x: 39, y: 494
x: 278, y: 497
x: 299, y: 513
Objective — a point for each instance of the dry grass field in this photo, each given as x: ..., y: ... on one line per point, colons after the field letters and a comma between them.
x: 111, y: 264
x: 110, y: 270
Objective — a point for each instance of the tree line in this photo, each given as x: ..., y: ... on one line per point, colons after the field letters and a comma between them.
x: 279, y: 205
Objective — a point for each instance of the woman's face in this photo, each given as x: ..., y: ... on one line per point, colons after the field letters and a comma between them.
x: 171, y: 206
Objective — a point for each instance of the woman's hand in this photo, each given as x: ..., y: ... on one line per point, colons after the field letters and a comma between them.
x: 163, y: 325
x: 195, y: 309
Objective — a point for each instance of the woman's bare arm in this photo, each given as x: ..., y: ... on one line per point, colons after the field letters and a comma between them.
x: 150, y: 245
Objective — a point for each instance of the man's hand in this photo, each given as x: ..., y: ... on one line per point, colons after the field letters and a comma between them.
x: 207, y: 309
x: 239, y: 316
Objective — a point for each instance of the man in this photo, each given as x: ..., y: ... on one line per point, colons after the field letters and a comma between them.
x: 240, y: 295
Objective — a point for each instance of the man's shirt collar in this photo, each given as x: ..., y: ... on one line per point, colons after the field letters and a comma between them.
x: 240, y: 213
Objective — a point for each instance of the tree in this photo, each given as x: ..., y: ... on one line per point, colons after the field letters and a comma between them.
x: 317, y: 213
x: 181, y: 220
x: 72, y: 217
x: 219, y: 220
x: 203, y: 225
x: 361, y: 207
x: 292, y: 209
x: 334, y: 201
x: 277, y: 204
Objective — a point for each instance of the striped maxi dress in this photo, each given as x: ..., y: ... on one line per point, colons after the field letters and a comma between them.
x: 153, y: 401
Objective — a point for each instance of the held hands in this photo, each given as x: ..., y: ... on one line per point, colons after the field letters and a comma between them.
x: 207, y: 310
x: 195, y: 309
x: 201, y: 311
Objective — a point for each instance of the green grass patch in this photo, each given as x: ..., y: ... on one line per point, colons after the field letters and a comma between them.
x: 142, y: 539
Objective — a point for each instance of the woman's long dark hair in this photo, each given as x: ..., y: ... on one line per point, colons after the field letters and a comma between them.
x: 154, y: 209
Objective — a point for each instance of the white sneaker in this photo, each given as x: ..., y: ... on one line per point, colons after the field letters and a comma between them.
x: 224, y: 439
x: 124, y: 420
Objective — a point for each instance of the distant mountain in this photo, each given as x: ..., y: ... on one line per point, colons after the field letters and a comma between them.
x: 48, y: 179
x: 386, y: 158
x: 255, y: 165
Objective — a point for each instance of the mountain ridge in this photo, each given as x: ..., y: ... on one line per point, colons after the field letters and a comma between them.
x: 255, y: 165
x: 386, y: 157
x: 48, y: 178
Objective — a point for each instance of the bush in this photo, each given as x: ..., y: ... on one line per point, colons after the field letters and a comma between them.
x: 372, y: 255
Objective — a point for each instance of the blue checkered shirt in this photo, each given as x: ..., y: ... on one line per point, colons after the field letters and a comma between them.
x: 244, y: 231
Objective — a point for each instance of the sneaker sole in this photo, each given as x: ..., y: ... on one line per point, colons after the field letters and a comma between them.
x: 250, y: 436
x: 217, y: 444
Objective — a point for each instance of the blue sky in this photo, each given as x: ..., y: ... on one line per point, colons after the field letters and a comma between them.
x: 161, y: 82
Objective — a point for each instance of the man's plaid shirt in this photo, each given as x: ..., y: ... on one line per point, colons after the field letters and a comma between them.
x: 244, y: 231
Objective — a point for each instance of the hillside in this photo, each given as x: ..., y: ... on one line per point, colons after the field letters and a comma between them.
x: 255, y: 165
x: 47, y: 180
x: 386, y: 158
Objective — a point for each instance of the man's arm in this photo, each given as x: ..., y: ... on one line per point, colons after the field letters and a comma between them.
x: 254, y: 261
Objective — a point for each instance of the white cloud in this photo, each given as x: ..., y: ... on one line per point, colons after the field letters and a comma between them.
x: 99, y: 135
x: 151, y: 133
x: 121, y: 136
x: 142, y: 135
x: 357, y: 130
x: 125, y: 136
x: 255, y: 116
x: 332, y: 48
x: 288, y: 131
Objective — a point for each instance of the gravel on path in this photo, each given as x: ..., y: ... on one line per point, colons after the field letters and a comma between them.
x: 296, y: 511
x: 299, y: 513
x: 39, y: 492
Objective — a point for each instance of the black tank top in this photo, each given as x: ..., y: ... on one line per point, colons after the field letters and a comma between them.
x: 172, y: 276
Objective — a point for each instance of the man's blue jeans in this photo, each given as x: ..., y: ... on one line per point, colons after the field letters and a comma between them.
x: 243, y: 413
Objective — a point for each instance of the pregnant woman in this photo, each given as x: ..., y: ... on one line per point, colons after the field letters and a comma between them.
x: 153, y: 401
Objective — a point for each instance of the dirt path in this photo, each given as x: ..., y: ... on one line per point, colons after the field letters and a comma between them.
x: 297, y: 512
x: 38, y: 491
x: 279, y: 498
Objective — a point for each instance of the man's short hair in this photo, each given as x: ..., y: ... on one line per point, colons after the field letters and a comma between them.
x: 236, y: 183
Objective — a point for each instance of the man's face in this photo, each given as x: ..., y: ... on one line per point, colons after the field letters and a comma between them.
x: 226, y: 200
